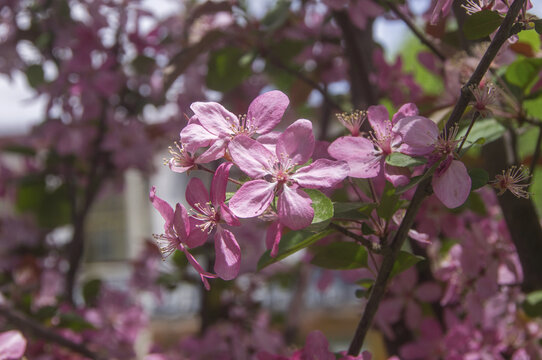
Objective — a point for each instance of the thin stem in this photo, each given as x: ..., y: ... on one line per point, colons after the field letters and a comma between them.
x: 379, y: 288
x: 32, y: 328
x: 423, y: 39
x: 212, y: 172
x: 536, y: 154
x: 474, y: 117
x: 363, y: 241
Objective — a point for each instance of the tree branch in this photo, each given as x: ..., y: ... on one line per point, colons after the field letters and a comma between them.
x: 379, y: 288
x: 29, y: 327
x: 423, y: 39
x: 363, y: 241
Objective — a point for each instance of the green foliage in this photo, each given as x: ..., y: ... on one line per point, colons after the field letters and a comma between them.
x: 429, y: 82
x: 479, y: 178
x: 277, y: 16
x: 353, y: 210
x: 291, y: 243
x: 402, y: 160
x: 523, y: 72
x: 74, y: 322
x: 50, y: 206
x: 533, y: 304
x: 340, y: 256
x: 538, y: 26
x: 323, y: 210
x: 35, y: 75
x: 389, y: 203
x: 483, y: 131
x: 481, y: 24
x: 91, y: 290
x: 405, y: 260
x: 228, y: 67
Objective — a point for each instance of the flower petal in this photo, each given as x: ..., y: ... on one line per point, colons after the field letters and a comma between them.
x: 163, y: 207
x: 408, y: 109
x: 227, y: 254
x: 252, y: 198
x: 203, y: 274
x: 181, y: 222
x: 362, y: 158
x: 194, y: 136
x: 251, y: 156
x: 12, y: 345
x: 273, y: 235
x: 228, y: 216
x: 294, y: 208
x: 266, y: 111
x: 219, y: 183
x: 418, y: 133
x: 398, y: 176
x: 197, y: 236
x: 379, y: 118
x: 296, y: 142
x: 322, y: 173
x: 453, y: 186
x: 214, y: 152
x: 196, y: 193
x: 215, y: 118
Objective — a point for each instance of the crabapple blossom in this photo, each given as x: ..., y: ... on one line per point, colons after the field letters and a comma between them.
x: 214, y: 126
x: 12, y: 345
x: 277, y: 174
x: 208, y: 212
x: 179, y: 234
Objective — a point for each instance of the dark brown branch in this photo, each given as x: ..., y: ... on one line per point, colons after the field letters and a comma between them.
x: 358, y: 47
x: 363, y: 241
x: 423, y: 39
x: 29, y: 327
x: 379, y: 288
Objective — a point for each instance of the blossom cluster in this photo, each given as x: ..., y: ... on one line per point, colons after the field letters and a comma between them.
x: 281, y: 165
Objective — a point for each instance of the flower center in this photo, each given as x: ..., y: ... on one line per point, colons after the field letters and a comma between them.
x: 180, y: 157
x: 282, y: 169
x: 245, y: 126
x: 383, y: 140
x: 207, y: 214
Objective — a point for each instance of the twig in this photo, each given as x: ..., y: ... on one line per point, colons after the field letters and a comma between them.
x: 363, y: 241
x: 424, y: 40
x: 379, y: 288
x: 474, y: 117
x: 29, y: 327
x: 279, y: 64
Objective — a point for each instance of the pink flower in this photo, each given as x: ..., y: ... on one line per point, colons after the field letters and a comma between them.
x: 215, y: 126
x: 12, y: 345
x: 277, y: 174
x: 209, y: 213
x: 366, y: 157
x: 179, y: 234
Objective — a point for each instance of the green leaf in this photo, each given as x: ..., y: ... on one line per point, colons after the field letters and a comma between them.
x: 538, y: 26
x: 35, y: 75
x: 533, y: 304
x: 523, y: 72
x: 481, y: 24
x: 51, y: 207
x: 227, y: 69
x: 353, y: 210
x: 143, y: 64
x: 404, y: 261
x: 323, y: 210
x: 389, y: 203
x: 340, y: 256
x: 291, y: 243
x: 74, y: 322
x: 488, y: 129
x: 479, y: 178
x: 91, y: 290
x: 277, y: 16
x: 402, y: 160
